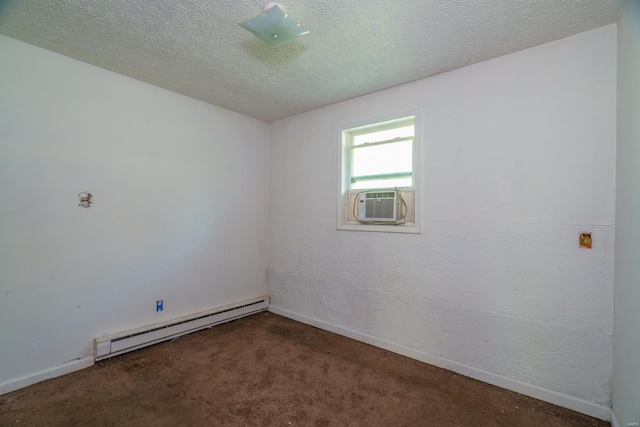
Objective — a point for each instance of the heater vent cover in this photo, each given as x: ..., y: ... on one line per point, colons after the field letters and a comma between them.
x: 134, y: 339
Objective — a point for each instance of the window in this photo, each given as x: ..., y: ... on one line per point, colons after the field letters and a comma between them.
x: 379, y: 156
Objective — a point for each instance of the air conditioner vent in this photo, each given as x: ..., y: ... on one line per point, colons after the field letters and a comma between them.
x: 378, y: 194
x: 380, y: 207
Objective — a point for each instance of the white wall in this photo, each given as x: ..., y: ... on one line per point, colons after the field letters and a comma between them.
x: 626, y: 343
x: 518, y: 160
x: 162, y: 169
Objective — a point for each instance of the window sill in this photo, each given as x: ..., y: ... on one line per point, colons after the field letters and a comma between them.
x: 408, y: 227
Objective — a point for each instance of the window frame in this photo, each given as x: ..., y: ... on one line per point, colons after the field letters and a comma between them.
x: 345, y: 134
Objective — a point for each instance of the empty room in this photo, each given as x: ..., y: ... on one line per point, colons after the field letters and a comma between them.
x: 319, y: 213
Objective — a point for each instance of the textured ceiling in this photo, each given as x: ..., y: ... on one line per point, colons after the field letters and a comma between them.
x: 197, y: 48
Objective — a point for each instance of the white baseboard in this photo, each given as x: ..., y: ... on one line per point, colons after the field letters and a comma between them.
x: 585, y: 407
x: 614, y: 420
x: 45, y: 374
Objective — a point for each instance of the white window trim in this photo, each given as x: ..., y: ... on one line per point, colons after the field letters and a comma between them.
x: 344, y: 178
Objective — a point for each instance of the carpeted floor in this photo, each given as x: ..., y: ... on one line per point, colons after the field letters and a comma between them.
x: 266, y: 370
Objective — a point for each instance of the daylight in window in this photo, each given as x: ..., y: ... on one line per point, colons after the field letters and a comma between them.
x: 381, y: 155
x: 379, y: 170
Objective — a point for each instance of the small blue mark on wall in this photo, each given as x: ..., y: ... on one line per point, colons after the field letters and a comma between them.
x: 159, y: 305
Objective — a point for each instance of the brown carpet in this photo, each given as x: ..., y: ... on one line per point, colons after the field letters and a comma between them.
x: 266, y: 370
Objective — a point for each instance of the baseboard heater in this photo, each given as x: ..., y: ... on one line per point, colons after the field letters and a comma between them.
x: 134, y: 339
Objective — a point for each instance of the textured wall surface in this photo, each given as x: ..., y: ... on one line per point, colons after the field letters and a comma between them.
x: 161, y: 167
x: 197, y: 48
x: 626, y: 344
x: 518, y: 160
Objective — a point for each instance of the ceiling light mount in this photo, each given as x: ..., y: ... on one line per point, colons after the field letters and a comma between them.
x: 271, y: 4
x: 274, y: 26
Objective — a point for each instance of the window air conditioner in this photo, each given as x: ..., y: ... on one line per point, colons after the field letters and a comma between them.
x: 382, y: 206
